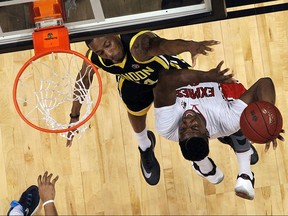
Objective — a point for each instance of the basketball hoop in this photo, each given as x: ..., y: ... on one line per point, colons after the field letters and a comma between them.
x: 44, y: 90
x: 50, y: 82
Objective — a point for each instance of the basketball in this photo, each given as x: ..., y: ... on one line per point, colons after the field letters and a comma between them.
x: 261, y: 122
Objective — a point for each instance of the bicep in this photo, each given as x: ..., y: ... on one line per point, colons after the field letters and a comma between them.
x: 163, y: 96
x: 87, y: 69
x: 146, y: 46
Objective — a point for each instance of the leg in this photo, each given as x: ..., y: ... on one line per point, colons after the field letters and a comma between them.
x: 196, y: 150
x: 138, y: 99
x: 28, y: 203
x: 245, y: 179
x: 239, y: 143
x: 138, y: 122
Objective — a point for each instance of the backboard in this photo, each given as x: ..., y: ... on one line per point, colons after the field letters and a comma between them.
x: 87, y: 18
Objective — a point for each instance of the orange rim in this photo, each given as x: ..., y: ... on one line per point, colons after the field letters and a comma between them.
x: 15, y: 87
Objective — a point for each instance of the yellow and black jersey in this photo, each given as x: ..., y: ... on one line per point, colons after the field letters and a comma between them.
x: 139, y: 72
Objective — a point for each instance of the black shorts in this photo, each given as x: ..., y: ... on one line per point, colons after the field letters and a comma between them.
x: 137, y: 98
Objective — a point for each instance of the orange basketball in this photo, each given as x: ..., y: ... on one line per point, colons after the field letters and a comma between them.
x: 261, y: 122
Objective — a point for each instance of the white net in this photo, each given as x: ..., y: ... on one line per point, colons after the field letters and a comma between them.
x: 50, y: 85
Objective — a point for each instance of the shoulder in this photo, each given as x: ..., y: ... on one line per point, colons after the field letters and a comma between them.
x: 93, y: 57
x: 166, y: 121
x: 140, y: 44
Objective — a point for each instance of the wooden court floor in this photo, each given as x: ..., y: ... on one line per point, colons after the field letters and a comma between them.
x: 100, y: 173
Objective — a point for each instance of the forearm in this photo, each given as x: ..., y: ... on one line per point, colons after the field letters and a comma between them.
x: 82, y: 84
x: 265, y: 90
x: 174, y: 47
x: 50, y: 209
x: 174, y: 79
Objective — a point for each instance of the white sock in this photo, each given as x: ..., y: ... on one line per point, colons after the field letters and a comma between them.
x: 143, y: 140
x: 17, y: 210
x: 244, y: 162
x: 205, y: 165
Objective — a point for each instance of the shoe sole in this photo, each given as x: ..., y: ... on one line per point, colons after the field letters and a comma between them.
x: 152, y: 137
x: 36, y: 209
x: 243, y: 195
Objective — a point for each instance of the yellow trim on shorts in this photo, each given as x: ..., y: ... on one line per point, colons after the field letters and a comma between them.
x: 135, y: 113
x: 139, y: 113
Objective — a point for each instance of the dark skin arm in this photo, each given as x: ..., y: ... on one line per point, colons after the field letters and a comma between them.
x: 169, y: 81
x: 76, y: 106
x: 47, y: 192
x: 148, y: 45
x: 262, y: 90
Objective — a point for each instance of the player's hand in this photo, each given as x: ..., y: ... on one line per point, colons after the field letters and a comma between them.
x: 46, y: 186
x: 70, y: 134
x: 202, y: 47
x: 274, y: 142
x: 220, y: 76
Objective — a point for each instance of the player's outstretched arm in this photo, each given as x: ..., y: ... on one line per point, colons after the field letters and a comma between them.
x: 262, y: 90
x: 149, y: 44
x: 86, y: 79
x: 169, y: 81
x: 47, y: 192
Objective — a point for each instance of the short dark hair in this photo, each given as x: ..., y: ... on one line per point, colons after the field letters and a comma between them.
x: 195, y: 148
x: 88, y: 41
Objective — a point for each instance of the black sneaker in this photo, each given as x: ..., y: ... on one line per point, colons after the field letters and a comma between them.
x: 254, y: 157
x: 29, y: 200
x: 148, y: 162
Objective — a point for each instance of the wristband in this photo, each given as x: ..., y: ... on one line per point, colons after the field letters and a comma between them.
x: 74, y: 116
x: 47, y: 202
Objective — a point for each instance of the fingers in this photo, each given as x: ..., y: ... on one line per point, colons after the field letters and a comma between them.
x: 220, y: 65
x: 206, y: 46
x: 55, y: 180
x: 274, y: 144
x: 211, y: 42
x: 281, y: 138
x: 46, y: 179
x: 267, y: 146
x: 49, y: 178
x: 39, y: 180
x: 68, y: 143
x: 70, y: 137
x: 194, y: 60
x: 224, y: 71
x: 203, y: 52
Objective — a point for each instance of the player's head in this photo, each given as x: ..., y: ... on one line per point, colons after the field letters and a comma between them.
x: 191, y: 125
x: 107, y: 47
x: 193, y: 136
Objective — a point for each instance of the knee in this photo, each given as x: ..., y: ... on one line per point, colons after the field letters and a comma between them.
x: 194, y: 149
